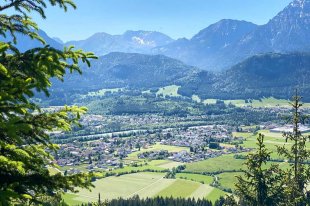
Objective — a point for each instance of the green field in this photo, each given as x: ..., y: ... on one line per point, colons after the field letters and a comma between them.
x: 53, y: 171
x: 209, y: 101
x: 196, y: 98
x: 228, y: 179
x: 165, y: 164
x: 215, y: 194
x: 147, y: 184
x: 196, y: 177
x: 218, y: 164
x: 102, y: 92
x: 264, y: 102
x: 171, y: 91
x: 144, y: 185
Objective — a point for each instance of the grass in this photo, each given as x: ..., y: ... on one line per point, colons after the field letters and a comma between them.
x: 102, y: 92
x: 171, y: 91
x: 264, y: 102
x: 222, y: 163
x: 196, y: 98
x: 195, y: 177
x: 123, y: 186
x: 180, y: 188
x: 142, y: 184
x: 228, y: 179
x: 70, y: 199
x: 215, y: 194
x: 236, y: 102
x: 53, y: 171
x: 209, y: 101
x: 138, y: 169
x: 165, y: 164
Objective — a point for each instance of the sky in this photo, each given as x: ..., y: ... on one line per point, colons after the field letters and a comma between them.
x: 176, y: 18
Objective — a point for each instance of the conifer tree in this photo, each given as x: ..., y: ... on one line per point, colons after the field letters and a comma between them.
x: 261, y: 185
x: 298, y: 175
x: 26, y: 151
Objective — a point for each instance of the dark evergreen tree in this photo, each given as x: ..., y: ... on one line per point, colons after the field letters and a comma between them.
x: 298, y: 175
x: 261, y: 185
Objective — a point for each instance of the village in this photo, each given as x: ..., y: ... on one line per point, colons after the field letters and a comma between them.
x: 105, y: 142
x: 108, y: 153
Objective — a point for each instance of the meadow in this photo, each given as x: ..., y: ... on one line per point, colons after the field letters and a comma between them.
x: 195, y: 181
x: 171, y: 91
x: 144, y: 185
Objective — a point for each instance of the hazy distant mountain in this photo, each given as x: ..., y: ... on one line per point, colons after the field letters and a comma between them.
x: 228, y: 42
x: 128, y: 70
x: 129, y: 42
x: 24, y: 42
x: 260, y: 76
x: 206, y: 48
x: 58, y: 40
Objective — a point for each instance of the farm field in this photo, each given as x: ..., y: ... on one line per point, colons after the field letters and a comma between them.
x: 144, y: 185
x: 265, y: 102
x: 171, y: 91
x: 218, y: 164
x: 195, y: 177
x: 165, y: 164
x: 228, y: 180
x: 102, y: 92
x: 147, y: 184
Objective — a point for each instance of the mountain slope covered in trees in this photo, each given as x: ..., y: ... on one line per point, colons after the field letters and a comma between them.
x: 131, y: 70
x: 267, y: 75
x: 260, y: 76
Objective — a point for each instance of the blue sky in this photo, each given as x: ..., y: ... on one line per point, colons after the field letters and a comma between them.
x: 176, y: 18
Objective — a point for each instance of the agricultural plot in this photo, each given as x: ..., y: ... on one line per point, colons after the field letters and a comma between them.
x: 196, y: 98
x: 196, y: 177
x: 53, y: 171
x: 215, y: 194
x: 272, y: 140
x: 264, y: 102
x: 143, y: 185
x: 218, y: 164
x: 165, y: 164
x: 171, y: 91
x: 209, y: 101
x: 229, y: 179
x: 102, y: 92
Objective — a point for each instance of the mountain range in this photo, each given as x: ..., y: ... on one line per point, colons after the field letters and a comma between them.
x: 25, y: 42
x: 265, y: 75
x: 251, y: 61
x: 129, y: 42
x: 215, y: 48
x: 228, y: 42
x: 131, y: 70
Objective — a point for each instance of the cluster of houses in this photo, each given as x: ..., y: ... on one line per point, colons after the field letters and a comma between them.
x: 197, y: 136
x: 109, y: 152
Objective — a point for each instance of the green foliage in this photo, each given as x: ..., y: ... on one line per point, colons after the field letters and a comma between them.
x: 260, y: 186
x: 154, y: 201
x: 25, y: 147
x: 298, y: 175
